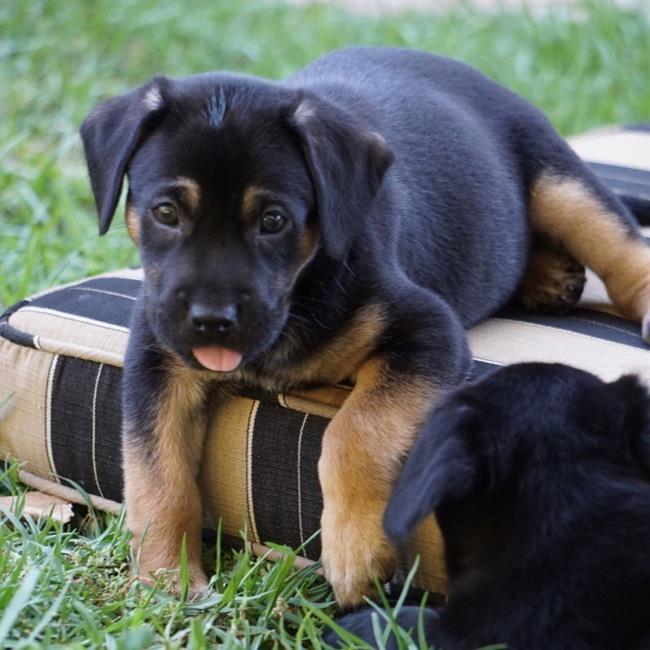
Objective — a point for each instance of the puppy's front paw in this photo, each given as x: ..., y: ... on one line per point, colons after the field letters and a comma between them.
x: 355, y: 552
x: 170, y: 580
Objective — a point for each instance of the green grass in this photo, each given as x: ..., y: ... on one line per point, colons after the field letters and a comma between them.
x: 70, y: 586
x: 57, y: 59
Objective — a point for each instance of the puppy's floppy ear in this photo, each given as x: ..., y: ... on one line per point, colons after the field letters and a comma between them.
x: 440, y: 469
x: 634, y: 397
x: 347, y: 163
x: 110, y: 136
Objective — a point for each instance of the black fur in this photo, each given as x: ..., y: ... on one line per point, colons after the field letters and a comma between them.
x: 409, y: 617
x: 539, y: 476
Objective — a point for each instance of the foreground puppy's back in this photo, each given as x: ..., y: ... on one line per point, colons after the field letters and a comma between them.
x: 456, y: 171
x: 540, y: 480
x: 470, y: 158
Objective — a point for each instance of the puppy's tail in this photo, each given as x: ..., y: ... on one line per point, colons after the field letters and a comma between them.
x: 440, y: 468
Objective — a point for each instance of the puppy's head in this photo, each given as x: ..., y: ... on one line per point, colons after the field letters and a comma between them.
x: 234, y: 186
x: 514, y: 437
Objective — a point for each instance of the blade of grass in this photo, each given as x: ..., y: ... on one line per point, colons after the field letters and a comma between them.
x: 19, y: 601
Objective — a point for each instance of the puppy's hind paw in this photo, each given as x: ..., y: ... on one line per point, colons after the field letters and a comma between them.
x: 553, y: 282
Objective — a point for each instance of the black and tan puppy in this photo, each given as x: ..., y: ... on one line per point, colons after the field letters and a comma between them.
x: 349, y: 221
x: 539, y: 476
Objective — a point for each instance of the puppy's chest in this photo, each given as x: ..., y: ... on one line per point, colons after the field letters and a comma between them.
x: 329, y: 364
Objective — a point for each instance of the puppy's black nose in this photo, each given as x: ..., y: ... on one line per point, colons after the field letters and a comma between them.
x: 209, y: 319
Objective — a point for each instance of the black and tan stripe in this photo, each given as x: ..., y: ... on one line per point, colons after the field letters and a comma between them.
x: 285, y: 489
x: 83, y: 401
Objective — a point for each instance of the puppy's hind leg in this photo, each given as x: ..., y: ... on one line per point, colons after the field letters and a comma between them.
x: 596, y: 230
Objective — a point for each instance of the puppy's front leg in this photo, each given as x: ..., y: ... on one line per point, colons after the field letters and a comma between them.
x: 423, y: 351
x: 164, y: 429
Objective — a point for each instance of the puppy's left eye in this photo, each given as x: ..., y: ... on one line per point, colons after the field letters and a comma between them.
x: 166, y: 214
x: 272, y: 222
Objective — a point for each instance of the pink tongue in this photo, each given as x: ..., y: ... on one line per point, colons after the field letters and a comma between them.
x: 217, y: 358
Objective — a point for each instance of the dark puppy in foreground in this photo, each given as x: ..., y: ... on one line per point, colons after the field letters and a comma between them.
x: 539, y: 476
x: 349, y: 221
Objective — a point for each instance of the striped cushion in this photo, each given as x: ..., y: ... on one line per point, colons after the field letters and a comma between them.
x: 61, y: 354
x: 620, y: 156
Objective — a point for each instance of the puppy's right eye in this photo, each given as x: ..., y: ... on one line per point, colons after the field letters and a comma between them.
x: 166, y: 214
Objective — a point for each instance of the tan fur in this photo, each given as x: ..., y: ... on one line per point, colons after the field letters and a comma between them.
x: 133, y: 224
x: 162, y: 498
x: 363, y: 448
x: 337, y: 360
x: 250, y: 203
x: 308, y: 244
x: 191, y: 191
x: 343, y: 356
x: 565, y: 210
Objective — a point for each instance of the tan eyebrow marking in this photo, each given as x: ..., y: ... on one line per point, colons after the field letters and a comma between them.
x: 191, y: 191
x: 250, y: 202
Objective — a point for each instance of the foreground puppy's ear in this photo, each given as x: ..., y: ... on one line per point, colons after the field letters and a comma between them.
x: 440, y: 469
x: 347, y: 163
x: 110, y: 136
x: 634, y: 397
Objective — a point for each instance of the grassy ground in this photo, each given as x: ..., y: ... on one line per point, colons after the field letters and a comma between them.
x: 70, y: 586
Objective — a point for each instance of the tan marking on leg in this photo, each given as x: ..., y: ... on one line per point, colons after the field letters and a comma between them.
x: 162, y: 498
x: 132, y: 217
x: 191, y: 191
x: 363, y: 449
x: 565, y: 210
